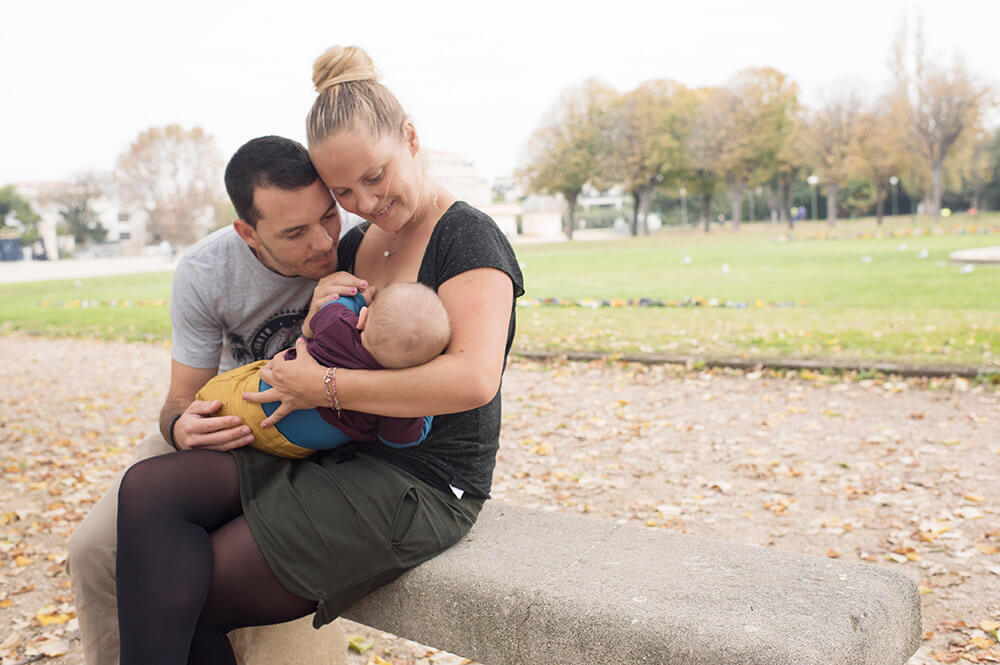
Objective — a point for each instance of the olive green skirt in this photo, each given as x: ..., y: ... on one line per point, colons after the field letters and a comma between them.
x: 334, y: 531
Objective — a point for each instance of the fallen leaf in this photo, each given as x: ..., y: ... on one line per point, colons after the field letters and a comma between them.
x: 987, y: 549
x: 982, y: 642
x: 49, y: 615
x: 358, y: 643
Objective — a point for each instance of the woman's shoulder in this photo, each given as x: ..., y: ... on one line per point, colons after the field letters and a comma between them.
x: 463, y: 223
x: 466, y: 238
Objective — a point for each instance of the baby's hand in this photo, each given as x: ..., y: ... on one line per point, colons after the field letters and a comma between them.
x: 369, y: 294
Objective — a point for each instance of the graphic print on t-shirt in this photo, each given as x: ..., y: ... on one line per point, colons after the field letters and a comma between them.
x: 278, y: 333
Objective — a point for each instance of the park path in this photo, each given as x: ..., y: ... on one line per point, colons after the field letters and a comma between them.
x: 901, y: 474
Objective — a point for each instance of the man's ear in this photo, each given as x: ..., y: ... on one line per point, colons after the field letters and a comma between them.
x: 362, y: 318
x: 247, y: 232
x: 410, y: 134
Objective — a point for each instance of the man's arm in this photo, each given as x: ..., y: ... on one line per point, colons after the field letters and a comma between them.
x: 191, y: 420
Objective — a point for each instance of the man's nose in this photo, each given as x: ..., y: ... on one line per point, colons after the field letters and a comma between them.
x: 320, y: 240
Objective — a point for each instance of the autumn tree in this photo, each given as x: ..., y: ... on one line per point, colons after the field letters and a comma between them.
x: 76, y: 207
x: 830, y: 137
x: 979, y: 164
x: 648, y: 133
x: 940, y: 103
x: 16, y: 213
x: 705, y: 145
x: 762, y: 106
x: 878, y: 146
x: 175, y: 175
x: 565, y: 152
x: 790, y: 165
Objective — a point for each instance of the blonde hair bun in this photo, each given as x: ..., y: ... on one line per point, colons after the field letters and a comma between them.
x: 342, y: 64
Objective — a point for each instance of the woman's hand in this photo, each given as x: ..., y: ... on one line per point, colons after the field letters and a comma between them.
x: 297, y: 384
x: 327, y: 289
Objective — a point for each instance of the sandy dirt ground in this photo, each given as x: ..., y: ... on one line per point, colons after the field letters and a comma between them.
x: 900, y: 474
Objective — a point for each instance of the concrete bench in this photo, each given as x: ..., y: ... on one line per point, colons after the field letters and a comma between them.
x: 528, y: 587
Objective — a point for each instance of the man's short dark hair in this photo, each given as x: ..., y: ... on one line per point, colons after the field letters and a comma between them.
x: 268, y: 161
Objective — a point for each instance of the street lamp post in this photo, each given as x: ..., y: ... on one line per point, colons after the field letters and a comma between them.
x: 894, y: 181
x: 813, y: 180
x: 684, y: 207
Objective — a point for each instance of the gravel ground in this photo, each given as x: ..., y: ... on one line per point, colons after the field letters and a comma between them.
x: 901, y: 474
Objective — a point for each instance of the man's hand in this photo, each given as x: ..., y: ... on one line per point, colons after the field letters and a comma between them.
x: 197, y: 429
x: 330, y: 288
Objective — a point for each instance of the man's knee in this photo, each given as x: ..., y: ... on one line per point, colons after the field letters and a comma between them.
x: 91, y: 548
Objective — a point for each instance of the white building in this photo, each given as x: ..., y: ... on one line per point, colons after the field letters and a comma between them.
x: 458, y: 175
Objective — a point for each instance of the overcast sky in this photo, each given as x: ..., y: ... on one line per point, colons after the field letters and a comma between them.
x: 79, y: 80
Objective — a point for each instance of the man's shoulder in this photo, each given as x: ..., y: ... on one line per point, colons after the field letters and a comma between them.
x: 221, y: 244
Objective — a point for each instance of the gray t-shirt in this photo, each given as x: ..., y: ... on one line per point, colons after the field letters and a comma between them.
x: 227, y: 309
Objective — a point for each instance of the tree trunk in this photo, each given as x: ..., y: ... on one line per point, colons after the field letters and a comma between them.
x: 570, y: 197
x: 645, y: 198
x: 785, y: 198
x: 736, y: 189
x: 879, y: 202
x: 937, y: 178
x: 706, y: 211
x: 831, y: 203
x: 634, y: 226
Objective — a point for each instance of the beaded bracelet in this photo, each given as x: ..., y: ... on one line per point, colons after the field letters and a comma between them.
x: 330, y: 386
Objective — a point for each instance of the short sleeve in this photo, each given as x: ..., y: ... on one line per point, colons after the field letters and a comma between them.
x: 196, y: 337
x: 469, y: 239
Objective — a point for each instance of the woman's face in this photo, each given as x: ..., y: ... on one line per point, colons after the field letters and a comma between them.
x: 379, y: 179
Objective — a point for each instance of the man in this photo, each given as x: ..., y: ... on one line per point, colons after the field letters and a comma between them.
x: 239, y: 295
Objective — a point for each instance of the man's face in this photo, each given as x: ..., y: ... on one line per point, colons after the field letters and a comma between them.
x: 297, y: 231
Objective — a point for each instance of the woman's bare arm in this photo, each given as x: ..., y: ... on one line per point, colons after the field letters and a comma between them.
x: 466, y: 376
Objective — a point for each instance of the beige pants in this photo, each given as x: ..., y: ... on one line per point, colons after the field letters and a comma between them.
x: 91, y: 562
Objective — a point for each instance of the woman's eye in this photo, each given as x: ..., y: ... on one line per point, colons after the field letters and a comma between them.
x: 376, y: 178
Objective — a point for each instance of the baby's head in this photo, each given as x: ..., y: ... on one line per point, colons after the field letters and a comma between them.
x: 405, y: 325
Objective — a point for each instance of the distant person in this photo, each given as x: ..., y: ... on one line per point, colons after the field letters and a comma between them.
x: 405, y: 326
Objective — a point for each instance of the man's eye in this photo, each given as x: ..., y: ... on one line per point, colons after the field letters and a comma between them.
x: 294, y: 234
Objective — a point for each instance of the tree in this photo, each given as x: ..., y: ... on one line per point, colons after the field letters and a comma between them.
x: 979, y: 164
x: 16, y: 212
x: 564, y: 153
x: 762, y: 108
x: 705, y: 145
x: 78, y: 218
x: 649, y: 130
x: 940, y: 104
x: 879, y: 147
x: 174, y: 174
x: 790, y: 164
x: 830, y: 137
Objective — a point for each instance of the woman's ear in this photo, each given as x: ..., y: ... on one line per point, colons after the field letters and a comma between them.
x: 410, y: 135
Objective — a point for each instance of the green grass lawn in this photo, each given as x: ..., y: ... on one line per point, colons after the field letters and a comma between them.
x: 891, y: 306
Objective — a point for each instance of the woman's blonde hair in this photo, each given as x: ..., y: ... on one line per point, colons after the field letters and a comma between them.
x: 350, y: 97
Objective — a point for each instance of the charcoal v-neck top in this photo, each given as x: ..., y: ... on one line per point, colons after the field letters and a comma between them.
x: 460, y: 450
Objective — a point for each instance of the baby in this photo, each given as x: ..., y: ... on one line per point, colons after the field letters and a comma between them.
x: 406, y: 325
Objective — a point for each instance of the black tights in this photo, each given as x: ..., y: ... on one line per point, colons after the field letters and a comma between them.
x: 188, y: 568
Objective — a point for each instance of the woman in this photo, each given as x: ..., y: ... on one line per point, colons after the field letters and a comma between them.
x: 213, y: 541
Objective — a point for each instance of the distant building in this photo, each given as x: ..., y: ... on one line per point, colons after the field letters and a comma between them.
x: 126, y: 227
x: 458, y: 175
